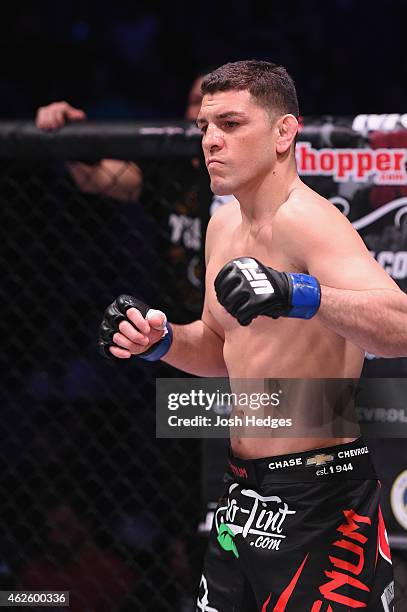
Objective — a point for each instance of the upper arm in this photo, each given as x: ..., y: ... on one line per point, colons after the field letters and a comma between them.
x: 223, y: 215
x: 215, y: 227
x: 332, y: 250
x: 209, y: 320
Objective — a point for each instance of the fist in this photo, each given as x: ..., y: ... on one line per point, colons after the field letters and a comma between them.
x: 246, y: 289
x: 130, y: 327
x: 56, y: 115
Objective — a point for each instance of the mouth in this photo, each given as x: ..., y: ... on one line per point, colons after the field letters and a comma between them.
x: 212, y: 162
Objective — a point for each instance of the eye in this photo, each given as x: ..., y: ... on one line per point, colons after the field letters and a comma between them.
x: 203, y: 128
x: 231, y: 124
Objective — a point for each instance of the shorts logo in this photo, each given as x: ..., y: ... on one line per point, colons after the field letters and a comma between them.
x: 318, y: 460
x: 261, y: 523
x: 342, y: 573
x: 203, y: 597
x: 226, y: 539
x: 388, y: 597
x: 239, y: 472
x: 257, y: 280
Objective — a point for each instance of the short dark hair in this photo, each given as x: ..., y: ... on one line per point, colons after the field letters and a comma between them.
x: 270, y: 84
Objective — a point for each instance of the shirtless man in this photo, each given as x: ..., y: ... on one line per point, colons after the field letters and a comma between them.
x: 299, y: 527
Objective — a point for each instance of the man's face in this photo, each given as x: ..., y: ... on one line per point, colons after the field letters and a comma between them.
x: 238, y: 141
x: 194, y: 100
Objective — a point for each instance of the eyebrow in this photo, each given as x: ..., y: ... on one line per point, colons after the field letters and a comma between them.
x: 220, y: 116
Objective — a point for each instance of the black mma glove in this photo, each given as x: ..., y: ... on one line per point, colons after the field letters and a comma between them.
x: 246, y: 289
x: 115, y: 314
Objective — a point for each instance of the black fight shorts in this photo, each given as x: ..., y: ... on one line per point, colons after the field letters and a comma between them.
x: 299, y: 533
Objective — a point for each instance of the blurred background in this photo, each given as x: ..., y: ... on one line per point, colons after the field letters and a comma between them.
x: 137, y: 59
x: 92, y: 502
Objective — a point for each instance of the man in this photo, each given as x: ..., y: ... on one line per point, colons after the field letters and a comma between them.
x: 291, y: 292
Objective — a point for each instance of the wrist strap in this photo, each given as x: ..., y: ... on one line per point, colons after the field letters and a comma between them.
x: 305, y: 296
x: 160, y: 348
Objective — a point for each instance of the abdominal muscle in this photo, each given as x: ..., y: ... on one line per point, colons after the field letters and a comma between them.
x: 260, y: 359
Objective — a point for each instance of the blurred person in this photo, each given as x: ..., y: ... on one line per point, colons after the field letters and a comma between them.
x: 98, y: 580
x: 173, y: 204
x: 112, y: 177
x: 291, y: 292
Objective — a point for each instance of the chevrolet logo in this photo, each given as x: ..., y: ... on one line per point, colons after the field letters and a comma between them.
x: 320, y: 459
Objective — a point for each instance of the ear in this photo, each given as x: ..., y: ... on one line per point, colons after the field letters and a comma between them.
x: 287, y: 128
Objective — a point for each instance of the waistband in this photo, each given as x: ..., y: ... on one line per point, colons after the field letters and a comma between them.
x: 349, y: 461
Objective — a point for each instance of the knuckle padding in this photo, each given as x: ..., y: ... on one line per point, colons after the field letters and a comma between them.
x: 113, y: 316
x: 106, y: 332
x: 104, y: 349
x: 228, y: 284
x: 124, y: 302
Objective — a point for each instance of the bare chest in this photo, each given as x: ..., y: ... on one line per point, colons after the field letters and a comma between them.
x: 266, y: 247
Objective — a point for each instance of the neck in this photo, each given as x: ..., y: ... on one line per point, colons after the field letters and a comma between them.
x: 261, y: 199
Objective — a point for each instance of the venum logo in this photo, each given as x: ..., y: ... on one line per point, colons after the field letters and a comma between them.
x: 347, y: 561
x: 239, y: 472
x: 258, y: 280
x: 261, y: 523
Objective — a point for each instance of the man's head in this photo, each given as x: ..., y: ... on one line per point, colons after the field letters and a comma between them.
x: 249, y: 122
x: 269, y: 84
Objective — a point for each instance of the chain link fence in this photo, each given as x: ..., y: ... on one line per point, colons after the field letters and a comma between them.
x: 91, y: 501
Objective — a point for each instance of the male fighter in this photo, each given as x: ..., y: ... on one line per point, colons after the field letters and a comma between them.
x: 291, y: 292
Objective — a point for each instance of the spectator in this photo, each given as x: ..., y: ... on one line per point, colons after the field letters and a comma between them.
x: 173, y: 204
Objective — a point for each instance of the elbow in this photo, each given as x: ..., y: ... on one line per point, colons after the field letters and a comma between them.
x: 388, y: 350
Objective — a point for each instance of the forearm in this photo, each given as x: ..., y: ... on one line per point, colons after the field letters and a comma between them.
x: 196, y: 349
x: 112, y: 178
x: 375, y: 320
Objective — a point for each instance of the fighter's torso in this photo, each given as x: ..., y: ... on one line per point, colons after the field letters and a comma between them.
x: 268, y: 348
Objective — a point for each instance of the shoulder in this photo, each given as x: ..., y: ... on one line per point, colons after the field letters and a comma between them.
x: 305, y: 204
x: 311, y: 225
x: 225, y: 216
x: 312, y: 215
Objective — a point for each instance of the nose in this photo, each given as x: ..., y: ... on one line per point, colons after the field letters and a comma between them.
x: 212, y: 139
